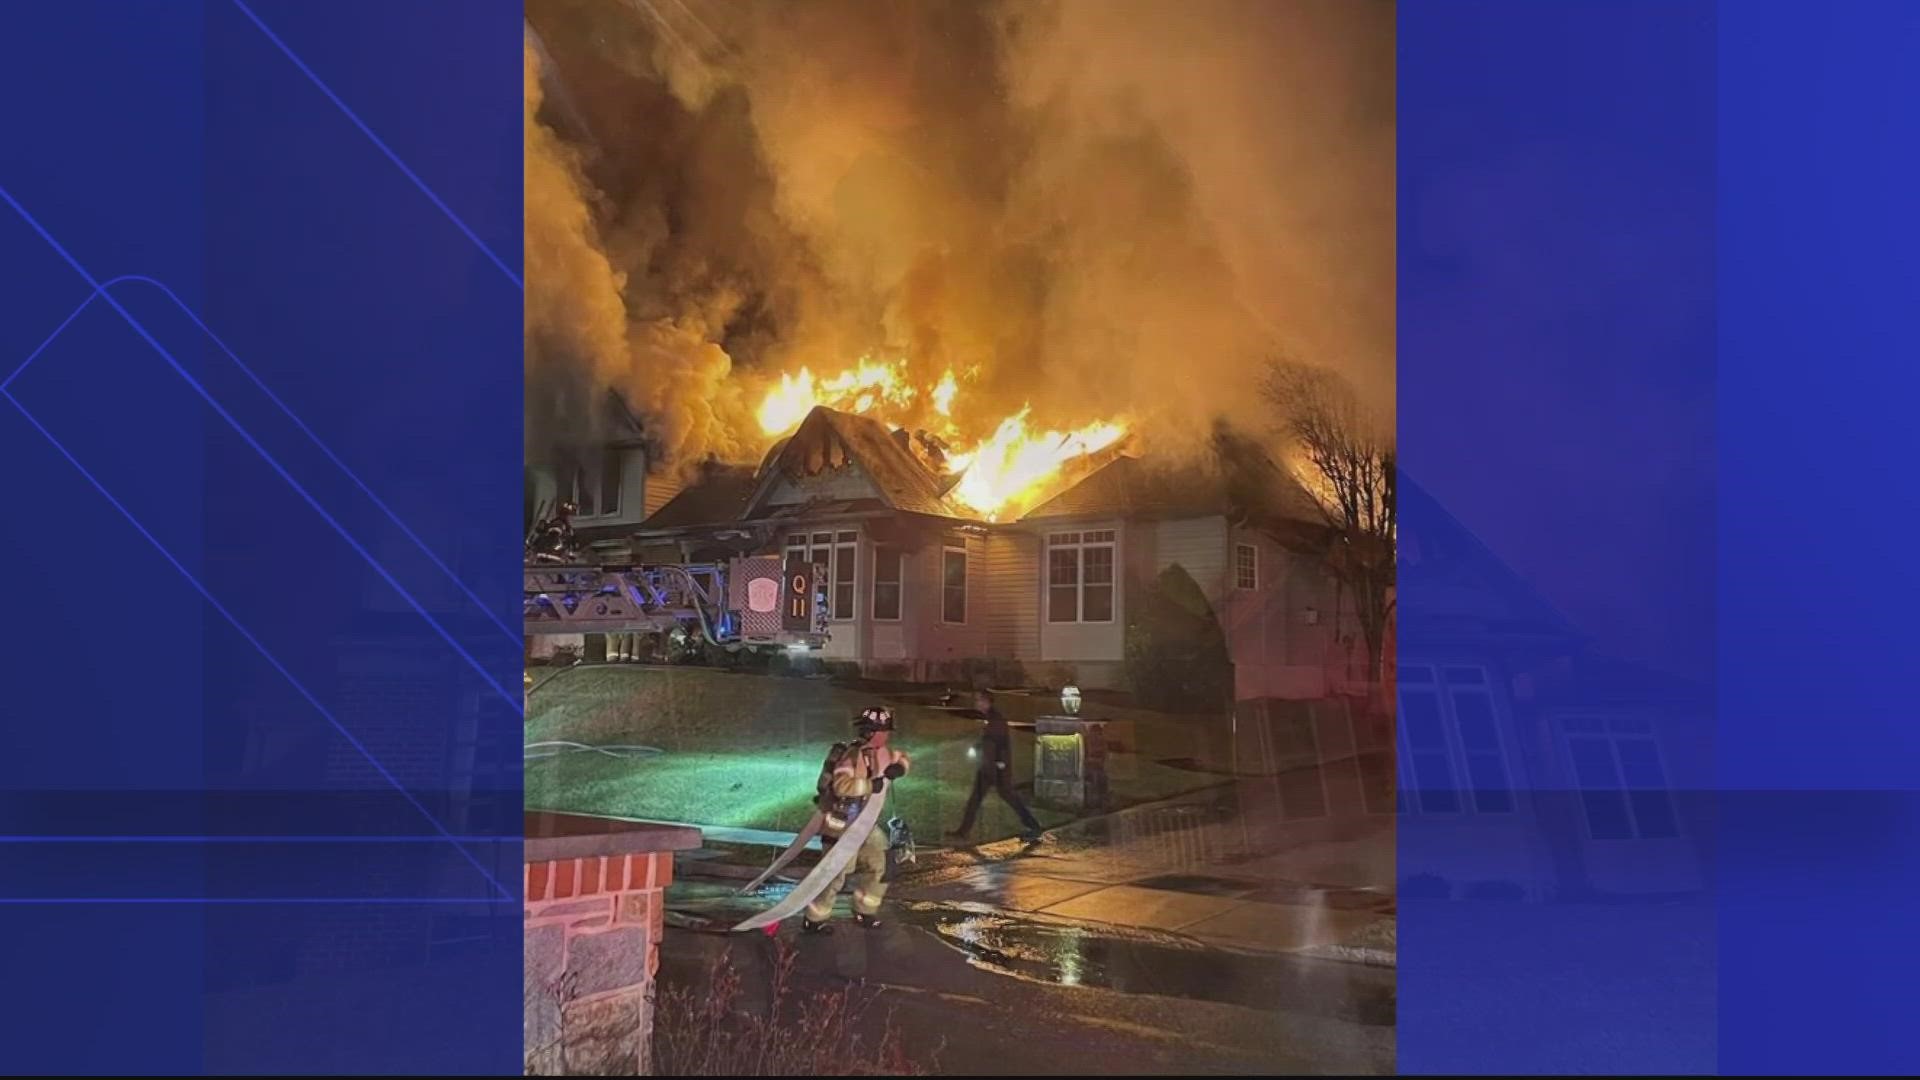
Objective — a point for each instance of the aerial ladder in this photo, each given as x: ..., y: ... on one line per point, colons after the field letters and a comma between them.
x: 751, y: 602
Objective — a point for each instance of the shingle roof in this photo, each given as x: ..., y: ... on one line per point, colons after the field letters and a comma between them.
x: 1123, y: 487
x: 716, y: 497
x: 1135, y: 487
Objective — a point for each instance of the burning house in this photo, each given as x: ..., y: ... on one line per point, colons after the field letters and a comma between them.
x: 909, y: 283
x: 922, y: 586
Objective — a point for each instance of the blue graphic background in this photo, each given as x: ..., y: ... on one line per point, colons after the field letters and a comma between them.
x: 260, y: 795
x: 259, y: 788
x: 1656, y: 295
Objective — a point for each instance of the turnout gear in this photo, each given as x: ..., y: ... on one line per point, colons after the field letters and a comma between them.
x: 552, y: 540
x: 850, y: 798
x: 859, y: 774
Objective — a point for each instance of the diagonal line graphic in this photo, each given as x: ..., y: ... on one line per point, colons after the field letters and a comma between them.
x: 291, y: 415
x: 57, y: 331
x: 233, y: 621
x: 517, y: 704
x: 514, y: 636
x: 376, y: 140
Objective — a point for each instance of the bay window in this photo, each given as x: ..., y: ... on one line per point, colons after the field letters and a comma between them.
x: 838, y: 552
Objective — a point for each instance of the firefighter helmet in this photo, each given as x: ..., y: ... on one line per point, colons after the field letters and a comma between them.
x: 874, y: 718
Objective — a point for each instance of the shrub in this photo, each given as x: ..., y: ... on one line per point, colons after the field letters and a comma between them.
x: 701, y: 1031
x: 1177, y: 657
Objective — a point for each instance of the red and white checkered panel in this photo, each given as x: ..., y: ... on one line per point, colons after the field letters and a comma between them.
x: 754, y: 590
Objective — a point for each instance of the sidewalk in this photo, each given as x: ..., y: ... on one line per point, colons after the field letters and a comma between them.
x: 1229, y: 872
x: 1251, y: 866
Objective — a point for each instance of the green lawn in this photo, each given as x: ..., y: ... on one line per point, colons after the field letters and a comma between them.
x: 744, y: 750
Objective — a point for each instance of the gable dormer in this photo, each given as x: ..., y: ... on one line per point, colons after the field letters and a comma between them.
x: 844, y: 458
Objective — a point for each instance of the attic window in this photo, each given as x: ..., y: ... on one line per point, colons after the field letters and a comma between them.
x: 594, y: 490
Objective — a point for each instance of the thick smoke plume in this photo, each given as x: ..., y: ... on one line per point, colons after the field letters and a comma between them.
x: 1094, y: 207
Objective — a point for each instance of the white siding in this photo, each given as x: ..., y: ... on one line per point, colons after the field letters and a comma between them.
x: 1199, y: 545
x: 938, y: 640
x: 1282, y: 633
x: 1010, y: 585
x: 657, y: 491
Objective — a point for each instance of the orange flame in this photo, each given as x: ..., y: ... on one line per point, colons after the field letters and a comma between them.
x: 1014, y: 464
x: 943, y: 394
x: 856, y: 390
x: 1000, y: 474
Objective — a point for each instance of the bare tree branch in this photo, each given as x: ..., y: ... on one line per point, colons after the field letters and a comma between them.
x: 1343, y: 453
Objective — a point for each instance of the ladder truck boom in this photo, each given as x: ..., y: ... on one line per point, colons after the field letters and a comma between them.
x: 751, y: 602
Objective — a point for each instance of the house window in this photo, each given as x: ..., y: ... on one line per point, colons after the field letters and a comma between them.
x: 1455, y: 758
x: 1623, y: 784
x: 1080, y: 576
x: 838, y: 553
x: 953, y: 585
x: 610, y: 477
x: 1246, y: 567
x: 889, y: 566
x: 579, y: 490
x: 595, y: 492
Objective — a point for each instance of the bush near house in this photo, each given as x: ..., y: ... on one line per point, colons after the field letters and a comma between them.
x: 1177, y: 658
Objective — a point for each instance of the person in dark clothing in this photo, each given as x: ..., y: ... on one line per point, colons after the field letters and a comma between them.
x: 996, y: 771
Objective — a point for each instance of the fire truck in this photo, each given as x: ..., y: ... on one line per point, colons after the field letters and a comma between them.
x: 753, y: 602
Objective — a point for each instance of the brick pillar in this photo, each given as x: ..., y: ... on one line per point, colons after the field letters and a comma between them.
x: 592, y: 948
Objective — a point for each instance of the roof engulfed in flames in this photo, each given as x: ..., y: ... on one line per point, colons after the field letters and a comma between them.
x: 1000, y: 473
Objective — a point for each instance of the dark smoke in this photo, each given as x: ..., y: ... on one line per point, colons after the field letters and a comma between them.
x: 1098, y: 207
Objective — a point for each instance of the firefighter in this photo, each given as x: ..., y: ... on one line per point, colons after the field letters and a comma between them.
x: 851, y: 776
x: 995, y: 771
x: 553, y: 540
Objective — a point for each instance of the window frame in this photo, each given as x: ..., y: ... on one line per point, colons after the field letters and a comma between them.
x: 586, y: 487
x: 1078, y: 542
x: 832, y: 548
x: 1252, y: 581
x: 613, y: 469
x: 899, y: 584
x: 1608, y: 729
x: 966, y: 584
x: 1433, y: 679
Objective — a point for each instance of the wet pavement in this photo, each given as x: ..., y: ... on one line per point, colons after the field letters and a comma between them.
x: 1006, y: 994
x: 1248, y: 865
x: 1247, y: 929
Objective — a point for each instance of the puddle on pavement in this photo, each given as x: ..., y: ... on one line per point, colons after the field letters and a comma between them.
x: 1078, y: 955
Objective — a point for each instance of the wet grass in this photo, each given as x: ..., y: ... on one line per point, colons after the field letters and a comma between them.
x: 744, y: 750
